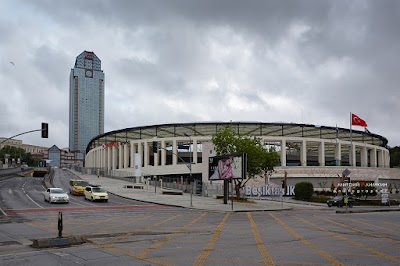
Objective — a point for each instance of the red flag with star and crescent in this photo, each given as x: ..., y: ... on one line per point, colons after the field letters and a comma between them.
x: 357, y: 121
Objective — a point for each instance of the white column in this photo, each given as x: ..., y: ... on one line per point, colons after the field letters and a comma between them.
x: 97, y: 158
x: 387, y: 159
x: 163, y: 153
x: 321, y: 153
x: 146, y: 154
x: 174, y: 150
x: 382, y: 157
x: 194, y: 147
x: 373, y: 157
x: 109, y: 157
x: 120, y: 156
x: 283, y: 152
x: 140, y: 151
x: 105, y: 158
x: 338, y: 154
x: 364, y: 157
x: 114, y: 158
x: 101, y: 158
x: 353, y: 155
x: 126, y: 156
x: 381, y: 162
x: 156, y: 156
x: 303, y: 153
x: 133, y: 151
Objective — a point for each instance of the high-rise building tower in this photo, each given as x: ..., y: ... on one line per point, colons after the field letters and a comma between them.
x: 86, y: 102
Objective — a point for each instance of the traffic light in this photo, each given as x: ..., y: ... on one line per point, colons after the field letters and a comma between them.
x: 283, y: 184
x: 348, y: 180
x: 45, y: 130
x: 154, y: 146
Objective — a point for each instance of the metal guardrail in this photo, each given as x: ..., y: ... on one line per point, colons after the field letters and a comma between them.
x: 199, y: 188
x: 9, y: 171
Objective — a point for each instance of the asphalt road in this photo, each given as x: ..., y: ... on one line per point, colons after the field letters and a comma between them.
x: 126, y: 232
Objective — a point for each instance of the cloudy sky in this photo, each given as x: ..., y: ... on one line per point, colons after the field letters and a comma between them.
x: 168, y: 61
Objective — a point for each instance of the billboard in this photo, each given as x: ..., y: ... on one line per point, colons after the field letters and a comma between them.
x: 227, y: 167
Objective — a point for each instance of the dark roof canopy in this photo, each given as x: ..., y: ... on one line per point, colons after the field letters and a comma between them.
x: 244, y: 128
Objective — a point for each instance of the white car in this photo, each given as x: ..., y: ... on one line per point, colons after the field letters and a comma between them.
x: 56, y: 195
x: 95, y: 193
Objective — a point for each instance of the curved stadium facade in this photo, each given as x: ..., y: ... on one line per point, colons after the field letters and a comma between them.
x: 318, y: 154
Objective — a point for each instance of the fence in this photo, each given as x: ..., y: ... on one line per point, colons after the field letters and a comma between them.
x: 204, y: 189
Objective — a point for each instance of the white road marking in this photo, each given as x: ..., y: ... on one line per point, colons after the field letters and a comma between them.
x: 34, y: 201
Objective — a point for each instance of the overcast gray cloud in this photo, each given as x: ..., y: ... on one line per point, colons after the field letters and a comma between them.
x: 169, y: 61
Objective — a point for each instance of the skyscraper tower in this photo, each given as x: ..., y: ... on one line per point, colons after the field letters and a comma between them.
x: 86, y: 102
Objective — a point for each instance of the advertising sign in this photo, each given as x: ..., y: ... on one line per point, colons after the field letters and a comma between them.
x: 385, y: 199
x: 228, y: 166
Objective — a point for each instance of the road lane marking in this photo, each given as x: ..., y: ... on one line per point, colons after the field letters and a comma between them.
x: 356, y: 243
x: 323, y: 253
x: 121, y: 225
x: 117, y: 250
x: 360, y: 231
x: 127, y: 253
x: 135, y: 232
x: 267, y: 259
x: 373, y: 225
x: 88, y: 208
x: 201, y: 259
x: 33, y: 201
x: 142, y: 255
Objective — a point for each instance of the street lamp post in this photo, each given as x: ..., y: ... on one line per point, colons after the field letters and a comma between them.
x: 190, y: 168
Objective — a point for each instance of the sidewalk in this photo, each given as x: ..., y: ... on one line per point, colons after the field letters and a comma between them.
x: 150, y: 194
x: 154, y: 195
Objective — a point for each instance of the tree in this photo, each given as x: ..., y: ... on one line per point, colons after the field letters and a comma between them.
x: 303, y: 190
x: 394, y: 156
x: 259, y: 160
x: 14, y: 153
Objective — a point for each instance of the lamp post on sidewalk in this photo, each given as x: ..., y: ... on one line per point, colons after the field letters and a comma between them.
x: 190, y: 168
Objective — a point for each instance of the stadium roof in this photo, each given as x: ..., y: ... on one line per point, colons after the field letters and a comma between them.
x: 244, y: 128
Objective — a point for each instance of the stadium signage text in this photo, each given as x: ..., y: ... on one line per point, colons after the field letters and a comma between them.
x: 269, y: 191
x: 111, y: 144
x: 362, y: 184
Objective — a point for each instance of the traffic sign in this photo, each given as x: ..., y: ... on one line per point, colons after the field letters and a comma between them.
x: 346, y: 172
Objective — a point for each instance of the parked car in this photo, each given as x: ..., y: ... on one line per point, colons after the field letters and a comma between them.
x: 56, y: 195
x: 95, y: 193
x: 339, y: 201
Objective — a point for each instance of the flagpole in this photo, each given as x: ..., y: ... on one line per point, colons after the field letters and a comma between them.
x: 351, y: 143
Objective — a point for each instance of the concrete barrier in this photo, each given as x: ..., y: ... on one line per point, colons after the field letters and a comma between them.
x: 58, y: 242
x: 171, y: 192
x: 136, y: 186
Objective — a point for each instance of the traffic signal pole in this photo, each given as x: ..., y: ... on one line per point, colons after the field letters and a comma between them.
x: 44, y: 129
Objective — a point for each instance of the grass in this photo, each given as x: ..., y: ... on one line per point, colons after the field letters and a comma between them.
x: 242, y: 200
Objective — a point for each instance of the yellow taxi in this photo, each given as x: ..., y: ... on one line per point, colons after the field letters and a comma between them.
x: 77, y: 186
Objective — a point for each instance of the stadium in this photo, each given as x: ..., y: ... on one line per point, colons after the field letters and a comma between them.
x: 318, y: 154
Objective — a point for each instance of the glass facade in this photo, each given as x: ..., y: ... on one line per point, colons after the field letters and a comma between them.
x: 86, y: 108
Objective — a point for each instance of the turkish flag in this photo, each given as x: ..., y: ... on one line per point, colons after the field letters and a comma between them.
x: 357, y: 121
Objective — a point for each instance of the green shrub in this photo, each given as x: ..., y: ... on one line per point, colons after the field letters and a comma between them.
x: 303, y: 191
x: 319, y: 199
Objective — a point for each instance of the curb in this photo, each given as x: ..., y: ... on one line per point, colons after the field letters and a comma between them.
x: 58, y: 242
x: 365, y: 211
